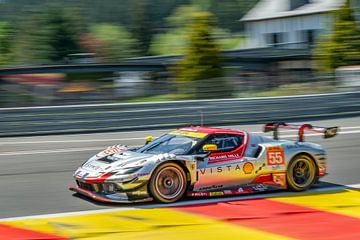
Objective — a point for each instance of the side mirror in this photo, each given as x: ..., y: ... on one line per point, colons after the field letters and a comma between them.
x: 210, y: 148
x: 148, y: 139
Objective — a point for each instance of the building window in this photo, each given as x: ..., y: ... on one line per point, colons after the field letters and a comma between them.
x: 307, y: 37
x: 310, y: 37
x: 274, y: 39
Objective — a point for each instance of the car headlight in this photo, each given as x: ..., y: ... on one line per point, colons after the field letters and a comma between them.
x: 128, y: 170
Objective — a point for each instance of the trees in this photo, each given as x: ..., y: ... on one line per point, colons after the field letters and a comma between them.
x: 113, y: 42
x: 46, y: 35
x: 6, y: 36
x: 342, y: 47
x: 174, y: 41
x: 199, y: 73
x: 141, y: 27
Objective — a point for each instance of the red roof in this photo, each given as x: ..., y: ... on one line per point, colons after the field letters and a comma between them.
x: 210, y: 130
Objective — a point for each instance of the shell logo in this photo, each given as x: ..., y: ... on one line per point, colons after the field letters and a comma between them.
x: 248, y: 168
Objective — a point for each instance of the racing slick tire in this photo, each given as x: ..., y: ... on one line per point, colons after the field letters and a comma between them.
x: 168, y: 183
x: 301, y: 173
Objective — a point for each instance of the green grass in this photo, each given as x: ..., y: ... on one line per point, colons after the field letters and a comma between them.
x: 284, y: 90
x: 159, y: 98
x: 291, y: 89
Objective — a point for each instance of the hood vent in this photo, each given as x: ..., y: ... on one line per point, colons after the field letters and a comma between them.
x: 108, y: 159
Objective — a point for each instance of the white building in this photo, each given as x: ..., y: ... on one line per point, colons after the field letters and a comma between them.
x: 288, y: 23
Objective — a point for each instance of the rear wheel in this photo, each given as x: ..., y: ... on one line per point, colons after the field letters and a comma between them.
x: 301, y: 173
x: 168, y: 183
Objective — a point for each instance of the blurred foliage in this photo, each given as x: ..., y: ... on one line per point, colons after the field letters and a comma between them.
x: 199, y: 73
x: 342, y: 47
x: 6, y: 36
x: 174, y: 41
x: 46, y: 35
x: 228, y: 12
x: 110, y: 42
x: 291, y: 90
x: 142, y: 25
x: 47, y: 31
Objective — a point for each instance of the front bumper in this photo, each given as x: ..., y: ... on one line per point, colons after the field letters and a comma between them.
x: 120, y: 197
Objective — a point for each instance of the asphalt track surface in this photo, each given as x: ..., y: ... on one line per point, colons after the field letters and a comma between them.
x: 35, y: 172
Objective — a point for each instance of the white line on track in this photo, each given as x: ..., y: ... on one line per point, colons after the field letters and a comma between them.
x: 71, y: 141
x: 66, y: 150
x: 62, y: 150
x: 183, y: 203
x: 139, y: 138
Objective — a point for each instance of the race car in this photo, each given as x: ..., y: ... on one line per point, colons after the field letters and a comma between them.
x: 204, y: 162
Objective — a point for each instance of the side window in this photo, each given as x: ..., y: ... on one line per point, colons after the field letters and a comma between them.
x: 224, y: 142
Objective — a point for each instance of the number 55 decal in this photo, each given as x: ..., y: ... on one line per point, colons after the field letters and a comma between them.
x: 275, y: 156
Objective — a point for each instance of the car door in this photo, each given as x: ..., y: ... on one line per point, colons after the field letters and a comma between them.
x: 226, y: 167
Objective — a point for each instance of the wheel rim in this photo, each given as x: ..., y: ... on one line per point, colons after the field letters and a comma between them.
x: 169, y: 182
x: 303, y: 172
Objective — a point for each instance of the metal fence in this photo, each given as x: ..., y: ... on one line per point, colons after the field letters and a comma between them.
x: 141, y: 116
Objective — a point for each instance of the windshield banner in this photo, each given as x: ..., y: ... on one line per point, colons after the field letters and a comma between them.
x: 189, y: 134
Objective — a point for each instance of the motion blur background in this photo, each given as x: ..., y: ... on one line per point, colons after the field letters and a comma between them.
x: 64, y: 52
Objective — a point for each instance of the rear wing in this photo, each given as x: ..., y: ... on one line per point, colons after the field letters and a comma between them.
x: 274, y: 127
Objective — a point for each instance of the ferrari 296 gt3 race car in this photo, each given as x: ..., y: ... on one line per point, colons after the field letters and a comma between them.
x: 201, y: 162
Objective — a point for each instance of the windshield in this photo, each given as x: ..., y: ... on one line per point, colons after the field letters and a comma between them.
x: 170, y: 143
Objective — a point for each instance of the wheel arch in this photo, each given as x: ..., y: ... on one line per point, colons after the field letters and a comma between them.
x: 308, y: 155
x: 182, y: 164
x: 178, y: 163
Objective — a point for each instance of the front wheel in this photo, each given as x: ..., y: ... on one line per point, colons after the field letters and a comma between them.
x: 301, y: 173
x: 168, y: 183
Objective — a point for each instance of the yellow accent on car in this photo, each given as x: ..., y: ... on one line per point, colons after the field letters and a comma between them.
x: 189, y: 134
x: 148, y: 139
x: 210, y: 148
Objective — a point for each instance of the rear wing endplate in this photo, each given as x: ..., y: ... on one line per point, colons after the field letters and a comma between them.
x: 274, y: 127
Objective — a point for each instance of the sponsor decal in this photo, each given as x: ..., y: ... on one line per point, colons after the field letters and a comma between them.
x: 92, y: 167
x: 113, y: 150
x: 224, y: 158
x: 110, y: 151
x: 140, y: 174
x: 275, y: 167
x: 275, y: 156
x: 260, y: 188
x: 212, y: 194
x: 189, y: 134
x: 228, y: 192
x: 198, y: 194
x: 228, y: 168
x: 260, y: 168
x: 292, y: 146
x: 248, y: 168
x: 137, y: 193
x: 280, y: 179
x: 210, y: 187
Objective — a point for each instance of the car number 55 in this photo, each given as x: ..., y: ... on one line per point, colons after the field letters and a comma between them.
x: 275, y: 156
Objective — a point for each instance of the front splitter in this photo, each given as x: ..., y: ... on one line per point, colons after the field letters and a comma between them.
x: 101, y: 198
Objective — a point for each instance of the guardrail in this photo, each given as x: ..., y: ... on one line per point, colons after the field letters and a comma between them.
x: 26, y: 121
x: 84, y: 68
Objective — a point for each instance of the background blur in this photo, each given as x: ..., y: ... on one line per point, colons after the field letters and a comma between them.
x: 62, y: 52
